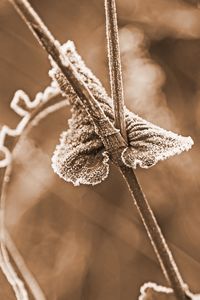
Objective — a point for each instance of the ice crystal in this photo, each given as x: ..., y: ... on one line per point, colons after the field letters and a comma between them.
x: 152, y: 291
x: 81, y: 157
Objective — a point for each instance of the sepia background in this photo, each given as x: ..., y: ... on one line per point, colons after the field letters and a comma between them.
x: 88, y: 243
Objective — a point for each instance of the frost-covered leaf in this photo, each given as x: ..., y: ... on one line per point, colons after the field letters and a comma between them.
x: 80, y: 163
x: 80, y: 157
x: 148, y: 143
x: 152, y: 291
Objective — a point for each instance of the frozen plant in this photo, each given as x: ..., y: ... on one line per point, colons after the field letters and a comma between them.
x: 81, y: 157
x: 101, y: 129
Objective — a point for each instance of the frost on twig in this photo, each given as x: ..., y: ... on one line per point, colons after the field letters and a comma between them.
x: 30, y: 112
x: 152, y: 291
x: 81, y: 156
x: 23, y: 106
x: 22, y: 267
x: 10, y: 274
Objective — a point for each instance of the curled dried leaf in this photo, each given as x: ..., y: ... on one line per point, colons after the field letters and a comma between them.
x: 80, y: 157
x: 80, y: 163
x: 147, y: 143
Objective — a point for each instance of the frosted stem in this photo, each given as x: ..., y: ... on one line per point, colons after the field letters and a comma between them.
x: 5, y: 264
x: 27, y: 275
x: 157, y: 239
x: 7, y: 246
x: 115, y: 65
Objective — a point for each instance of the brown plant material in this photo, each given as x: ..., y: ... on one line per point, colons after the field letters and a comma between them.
x: 117, y: 93
x: 81, y: 157
x: 31, y: 112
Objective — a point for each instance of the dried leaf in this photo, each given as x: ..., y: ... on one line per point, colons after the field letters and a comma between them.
x: 152, y: 291
x: 80, y: 163
x: 80, y: 157
x: 148, y: 143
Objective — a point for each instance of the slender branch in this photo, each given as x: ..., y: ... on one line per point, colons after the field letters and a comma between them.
x: 21, y: 265
x: 160, y: 246
x: 7, y: 246
x: 6, y: 267
x: 52, y: 47
x: 115, y: 65
x: 112, y: 140
x: 158, y: 241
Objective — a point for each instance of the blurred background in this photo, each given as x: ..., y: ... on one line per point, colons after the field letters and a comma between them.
x: 88, y: 243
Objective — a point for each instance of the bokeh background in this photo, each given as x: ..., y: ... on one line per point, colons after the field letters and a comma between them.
x: 88, y: 243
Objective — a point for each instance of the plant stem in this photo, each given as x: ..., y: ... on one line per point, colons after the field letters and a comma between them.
x: 157, y: 239
x: 160, y: 246
x: 7, y: 246
x: 22, y: 267
x: 113, y: 141
x: 111, y: 137
x: 5, y: 264
x: 52, y: 47
x: 115, y: 65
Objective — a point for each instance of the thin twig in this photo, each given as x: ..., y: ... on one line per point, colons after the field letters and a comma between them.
x: 160, y: 246
x: 111, y: 137
x: 6, y: 267
x: 157, y: 239
x: 21, y: 265
x: 115, y: 65
x: 113, y: 141
x: 52, y: 47
x: 7, y: 246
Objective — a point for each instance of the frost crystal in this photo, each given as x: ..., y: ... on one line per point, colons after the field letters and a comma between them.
x: 152, y: 291
x: 81, y: 156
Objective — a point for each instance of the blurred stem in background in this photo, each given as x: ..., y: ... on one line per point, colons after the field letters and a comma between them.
x: 15, y: 270
x: 195, y: 2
